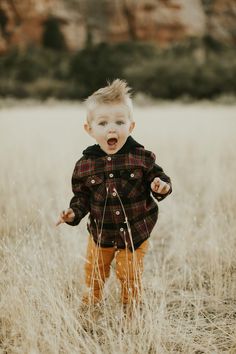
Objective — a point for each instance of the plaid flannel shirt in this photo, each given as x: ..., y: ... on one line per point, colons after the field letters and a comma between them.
x: 115, y: 190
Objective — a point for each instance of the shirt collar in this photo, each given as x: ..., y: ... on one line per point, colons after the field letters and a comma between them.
x: 95, y: 150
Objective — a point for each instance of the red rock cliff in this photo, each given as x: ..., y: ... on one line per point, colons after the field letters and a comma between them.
x: 160, y: 21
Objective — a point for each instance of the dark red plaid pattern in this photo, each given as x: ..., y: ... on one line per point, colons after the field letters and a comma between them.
x: 115, y: 191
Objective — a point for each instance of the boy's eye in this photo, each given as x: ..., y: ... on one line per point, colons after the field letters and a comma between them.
x: 120, y: 122
x: 102, y: 123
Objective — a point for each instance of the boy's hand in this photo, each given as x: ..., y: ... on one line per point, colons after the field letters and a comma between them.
x: 66, y: 216
x: 159, y: 186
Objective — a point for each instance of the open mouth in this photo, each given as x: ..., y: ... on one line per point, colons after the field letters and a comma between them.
x: 112, y: 141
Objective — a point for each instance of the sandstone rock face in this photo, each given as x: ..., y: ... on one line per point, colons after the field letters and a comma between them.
x: 166, y: 21
x: 22, y: 22
x: 222, y: 21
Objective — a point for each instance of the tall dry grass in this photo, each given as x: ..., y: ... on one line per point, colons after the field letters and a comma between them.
x: 190, y: 270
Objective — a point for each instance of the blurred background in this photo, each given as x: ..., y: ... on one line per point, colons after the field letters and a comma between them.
x: 165, y: 49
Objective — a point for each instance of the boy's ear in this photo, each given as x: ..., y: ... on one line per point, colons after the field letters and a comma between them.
x: 87, y: 128
x: 132, y: 125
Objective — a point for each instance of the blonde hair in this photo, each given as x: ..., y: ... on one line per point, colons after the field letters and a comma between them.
x: 116, y: 92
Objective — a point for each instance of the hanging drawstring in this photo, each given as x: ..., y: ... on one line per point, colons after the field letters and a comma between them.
x: 103, y: 215
x: 126, y: 219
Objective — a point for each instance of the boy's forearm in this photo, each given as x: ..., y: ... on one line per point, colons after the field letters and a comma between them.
x: 157, y: 171
x: 79, y: 206
x: 80, y: 201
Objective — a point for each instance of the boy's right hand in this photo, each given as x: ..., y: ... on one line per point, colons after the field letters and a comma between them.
x: 66, y: 216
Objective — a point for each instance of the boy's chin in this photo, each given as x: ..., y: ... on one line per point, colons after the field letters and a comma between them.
x: 111, y: 149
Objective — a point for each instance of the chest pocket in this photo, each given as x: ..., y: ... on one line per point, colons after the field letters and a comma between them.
x: 96, y: 185
x: 132, y: 182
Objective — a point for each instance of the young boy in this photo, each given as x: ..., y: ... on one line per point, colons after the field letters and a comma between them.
x: 114, y: 182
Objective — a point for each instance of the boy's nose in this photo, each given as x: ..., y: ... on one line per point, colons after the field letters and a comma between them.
x: 111, y: 129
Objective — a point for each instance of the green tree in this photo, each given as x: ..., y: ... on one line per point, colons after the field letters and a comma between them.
x: 52, y: 36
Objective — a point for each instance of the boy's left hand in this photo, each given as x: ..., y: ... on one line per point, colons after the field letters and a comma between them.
x: 159, y: 186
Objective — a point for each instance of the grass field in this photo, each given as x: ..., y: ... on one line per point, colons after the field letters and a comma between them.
x: 190, y: 269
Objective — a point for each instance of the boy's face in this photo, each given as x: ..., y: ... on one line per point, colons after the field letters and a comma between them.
x: 110, y: 126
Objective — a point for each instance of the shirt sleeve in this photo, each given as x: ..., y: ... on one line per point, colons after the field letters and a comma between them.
x: 80, y: 200
x: 154, y: 171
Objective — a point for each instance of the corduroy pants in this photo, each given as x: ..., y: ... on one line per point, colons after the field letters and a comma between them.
x: 129, y: 270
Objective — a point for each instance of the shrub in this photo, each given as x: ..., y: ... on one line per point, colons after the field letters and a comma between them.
x: 169, y: 74
x: 94, y: 65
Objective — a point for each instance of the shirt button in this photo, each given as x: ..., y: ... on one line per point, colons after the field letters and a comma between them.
x: 117, y: 212
x: 114, y: 194
x: 132, y: 175
x: 109, y: 158
x: 111, y: 175
x: 93, y: 181
x: 121, y: 229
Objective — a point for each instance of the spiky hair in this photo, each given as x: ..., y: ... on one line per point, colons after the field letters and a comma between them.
x: 116, y: 92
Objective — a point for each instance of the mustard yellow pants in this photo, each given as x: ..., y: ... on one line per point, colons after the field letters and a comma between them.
x: 129, y: 269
